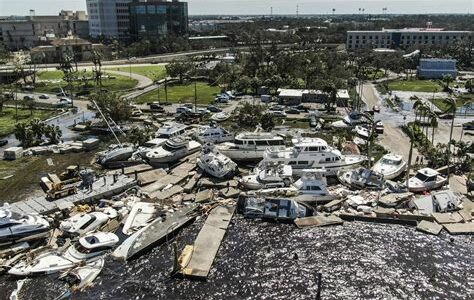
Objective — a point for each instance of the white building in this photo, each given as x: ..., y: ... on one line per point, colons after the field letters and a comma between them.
x: 403, y: 38
x: 110, y: 18
x: 297, y: 96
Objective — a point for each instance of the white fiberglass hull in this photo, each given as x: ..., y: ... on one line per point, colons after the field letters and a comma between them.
x: 390, y: 172
x: 171, y: 157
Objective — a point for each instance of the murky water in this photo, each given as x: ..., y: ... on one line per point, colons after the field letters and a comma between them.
x: 260, y: 260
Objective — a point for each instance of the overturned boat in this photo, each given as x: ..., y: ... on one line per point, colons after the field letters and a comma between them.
x: 362, y: 178
x: 220, y: 116
x: 88, y: 249
x: 215, y: 163
x: 426, y: 179
x: 267, y: 176
x: 116, y: 153
x: 390, y: 166
x: 272, y: 208
x: 140, y: 215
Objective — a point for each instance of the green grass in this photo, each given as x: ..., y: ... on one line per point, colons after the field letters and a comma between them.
x: 8, y: 121
x: 182, y: 94
x: 460, y: 102
x: 415, y: 86
x: 152, y: 72
x: 118, y: 83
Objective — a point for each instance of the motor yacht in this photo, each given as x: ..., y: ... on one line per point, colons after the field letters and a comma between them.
x: 215, y: 163
x: 87, y: 249
x: 249, y: 146
x: 15, y: 227
x: 116, y: 153
x: 214, y: 134
x: 312, y: 153
x: 268, y: 176
x: 426, y: 179
x: 390, y: 166
x: 362, y: 178
x: 174, y: 149
x: 272, y: 208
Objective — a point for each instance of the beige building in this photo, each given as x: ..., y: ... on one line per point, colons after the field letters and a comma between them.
x: 403, y: 38
x: 29, y: 31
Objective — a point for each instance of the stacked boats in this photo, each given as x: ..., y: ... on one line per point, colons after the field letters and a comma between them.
x: 215, y: 163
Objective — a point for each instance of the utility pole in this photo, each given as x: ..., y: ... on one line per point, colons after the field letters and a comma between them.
x: 166, y: 89
x: 195, y: 96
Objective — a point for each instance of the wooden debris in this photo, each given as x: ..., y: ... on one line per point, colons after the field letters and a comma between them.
x: 151, y: 176
x: 460, y: 228
x: 204, y: 196
x: 444, y: 218
x: 318, y: 221
x: 429, y: 227
x: 333, y: 205
x: 229, y: 192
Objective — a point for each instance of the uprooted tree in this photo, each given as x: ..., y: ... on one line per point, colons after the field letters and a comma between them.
x: 37, y: 132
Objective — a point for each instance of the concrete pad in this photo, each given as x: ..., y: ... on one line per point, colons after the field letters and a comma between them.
x: 443, y: 218
x: 460, y: 228
x: 152, y: 188
x: 204, y: 196
x: 318, y: 221
x: 162, y: 195
x: 189, y: 186
x: 230, y: 192
x: 429, y: 227
x: 466, y: 215
x: 383, y: 212
x: 151, y: 176
x: 138, y: 168
x: 333, y: 205
x: 393, y: 200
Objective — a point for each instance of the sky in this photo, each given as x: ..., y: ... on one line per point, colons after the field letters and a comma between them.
x: 260, y: 7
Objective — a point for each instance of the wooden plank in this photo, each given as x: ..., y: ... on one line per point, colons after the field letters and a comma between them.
x: 208, y: 242
x: 175, y: 189
x: 150, y: 176
x: 318, y: 221
x: 25, y: 208
x: 45, y: 203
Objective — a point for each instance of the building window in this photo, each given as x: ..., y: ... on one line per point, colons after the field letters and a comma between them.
x: 151, y: 9
x: 140, y: 9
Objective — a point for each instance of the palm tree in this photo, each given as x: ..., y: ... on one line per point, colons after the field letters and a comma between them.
x: 447, y: 79
x: 331, y: 91
x: 417, y: 107
x: 433, y: 124
x: 371, y: 136
x: 469, y: 85
x: 451, y: 108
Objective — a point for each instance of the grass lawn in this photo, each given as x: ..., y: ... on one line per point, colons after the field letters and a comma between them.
x: 415, y: 86
x: 182, y: 94
x: 27, y: 172
x: 115, y: 84
x: 152, y: 72
x: 8, y: 122
x: 460, y: 102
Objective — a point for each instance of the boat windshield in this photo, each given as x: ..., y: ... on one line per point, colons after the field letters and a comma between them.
x: 164, y: 136
x: 424, y: 177
x: 390, y: 162
x: 81, y: 249
x: 170, y: 148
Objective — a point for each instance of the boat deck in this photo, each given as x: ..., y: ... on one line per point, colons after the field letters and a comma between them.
x: 41, y: 205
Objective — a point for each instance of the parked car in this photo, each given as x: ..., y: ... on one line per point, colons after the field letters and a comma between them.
x: 183, y: 109
x: 277, y: 113
x: 293, y: 111
x: 213, y: 108
x: 64, y: 101
x: 156, y: 107
x: 188, y: 105
x: 202, y: 111
x: 28, y: 97
x: 222, y: 99
x: 44, y: 96
x: 3, y: 142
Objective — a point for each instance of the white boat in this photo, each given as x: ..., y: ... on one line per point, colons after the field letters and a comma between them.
x: 141, y: 152
x: 268, y: 176
x: 84, y: 223
x: 214, y: 134
x: 174, y: 149
x: 220, y: 116
x: 83, y: 276
x: 170, y: 129
x: 426, y: 179
x: 350, y: 120
x: 140, y: 215
x: 249, y: 146
x: 88, y: 249
x: 15, y: 227
x: 390, y: 166
x: 362, y: 178
x: 272, y: 208
x: 116, y: 153
x: 312, y: 153
x: 215, y: 163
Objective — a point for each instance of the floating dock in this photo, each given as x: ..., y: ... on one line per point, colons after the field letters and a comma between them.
x: 196, y: 261
x: 41, y: 205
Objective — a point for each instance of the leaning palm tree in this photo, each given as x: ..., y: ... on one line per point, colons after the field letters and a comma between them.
x: 433, y: 124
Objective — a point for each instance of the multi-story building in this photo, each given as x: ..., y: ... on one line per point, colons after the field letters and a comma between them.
x: 437, y: 68
x: 158, y: 18
x: 403, y: 38
x: 108, y: 18
x: 28, y: 31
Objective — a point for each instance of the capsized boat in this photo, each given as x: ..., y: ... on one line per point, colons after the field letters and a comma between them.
x: 116, y: 153
x: 15, y: 227
x: 272, y: 208
x: 140, y: 215
x: 267, y: 176
x: 154, y: 232
x: 174, y: 149
x: 220, y: 116
x: 82, y: 277
x: 215, y: 163
x: 87, y: 249
x: 84, y: 223
x: 362, y: 178
x: 426, y: 179
x: 390, y: 166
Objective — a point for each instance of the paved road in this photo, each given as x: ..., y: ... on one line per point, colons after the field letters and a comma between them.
x: 143, y: 81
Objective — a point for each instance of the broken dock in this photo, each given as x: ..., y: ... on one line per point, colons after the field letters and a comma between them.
x: 196, y: 260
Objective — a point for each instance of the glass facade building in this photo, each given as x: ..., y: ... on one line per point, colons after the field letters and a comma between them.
x: 158, y: 18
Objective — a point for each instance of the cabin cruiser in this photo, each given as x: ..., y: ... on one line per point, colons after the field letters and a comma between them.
x: 269, y: 176
x: 390, y: 166
x: 141, y: 152
x: 174, y: 149
x: 272, y: 208
x: 140, y: 215
x: 362, y: 178
x: 249, y: 146
x: 116, y: 153
x: 170, y: 129
x: 220, y: 116
x: 84, y: 223
x: 215, y: 163
x: 87, y: 249
x: 214, y: 134
x: 426, y: 179
x: 312, y: 153
x: 350, y: 120
x: 15, y: 227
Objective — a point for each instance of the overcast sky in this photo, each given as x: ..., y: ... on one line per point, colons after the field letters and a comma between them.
x: 216, y: 7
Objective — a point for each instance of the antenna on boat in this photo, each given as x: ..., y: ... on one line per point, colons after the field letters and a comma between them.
x: 106, y: 122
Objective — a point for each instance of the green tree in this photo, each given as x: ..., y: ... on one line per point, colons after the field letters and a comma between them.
x: 267, y: 122
x: 112, y: 106
x: 469, y: 85
x: 447, y: 79
x: 331, y: 91
x: 180, y: 69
